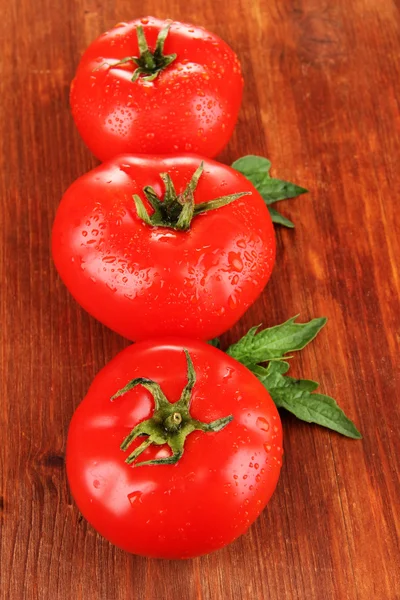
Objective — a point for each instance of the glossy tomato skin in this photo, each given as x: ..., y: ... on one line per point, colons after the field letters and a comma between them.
x: 144, y: 281
x: 191, y: 106
x: 219, y: 486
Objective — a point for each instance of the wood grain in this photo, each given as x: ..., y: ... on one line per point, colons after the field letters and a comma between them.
x: 321, y: 101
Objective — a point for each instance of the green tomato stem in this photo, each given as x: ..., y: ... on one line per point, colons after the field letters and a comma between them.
x: 176, y: 211
x: 148, y: 64
x: 170, y: 423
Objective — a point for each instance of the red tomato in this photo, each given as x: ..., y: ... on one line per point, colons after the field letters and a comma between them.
x: 220, y: 481
x: 185, y: 96
x: 144, y: 280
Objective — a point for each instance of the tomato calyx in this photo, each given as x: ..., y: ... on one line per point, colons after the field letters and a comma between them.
x: 170, y: 424
x: 149, y: 64
x: 176, y: 211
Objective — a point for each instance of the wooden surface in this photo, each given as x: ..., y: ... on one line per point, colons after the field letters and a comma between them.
x: 321, y: 101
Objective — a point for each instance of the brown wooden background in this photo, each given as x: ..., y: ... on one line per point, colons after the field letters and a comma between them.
x: 321, y: 101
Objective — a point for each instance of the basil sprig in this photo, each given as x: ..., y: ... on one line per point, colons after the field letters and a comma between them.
x: 256, y: 169
x: 265, y: 353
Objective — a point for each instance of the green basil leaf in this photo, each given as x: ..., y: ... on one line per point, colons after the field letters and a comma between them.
x: 255, y: 169
x: 272, y: 376
x: 280, y: 219
x: 295, y: 396
x: 215, y: 342
x: 275, y: 342
x: 275, y: 190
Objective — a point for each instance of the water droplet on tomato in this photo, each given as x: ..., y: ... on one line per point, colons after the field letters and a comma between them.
x: 262, y: 424
x: 267, y: 447
x: 235, y: 262
x: 232, y: 302
x: 135, y: 498
x: 228, y: 374
x: 109, y: 259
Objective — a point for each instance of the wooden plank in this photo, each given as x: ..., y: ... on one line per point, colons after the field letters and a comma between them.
x: 321, y: 101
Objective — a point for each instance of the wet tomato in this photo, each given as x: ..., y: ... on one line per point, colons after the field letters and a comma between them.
x: 156, y: 246
x: 175, y: 450
x: 152, y: 86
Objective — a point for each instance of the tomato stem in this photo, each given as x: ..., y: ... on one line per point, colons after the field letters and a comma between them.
x: 176, y: 211
x: 148, y: 63
x: 170, y: 424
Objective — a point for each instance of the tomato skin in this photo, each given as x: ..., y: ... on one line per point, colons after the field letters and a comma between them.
x: 144, y: 281
x: 191, y: 106
x: 219, y: 486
